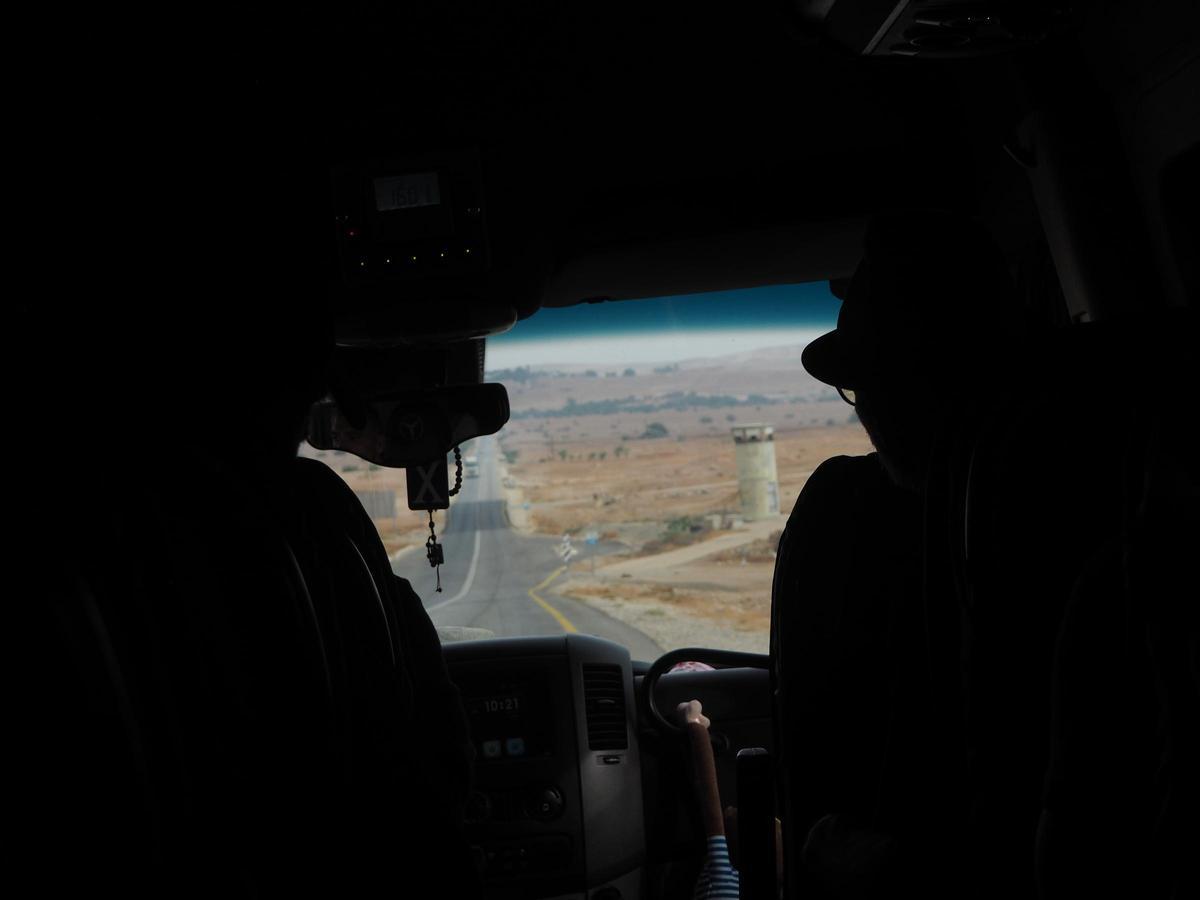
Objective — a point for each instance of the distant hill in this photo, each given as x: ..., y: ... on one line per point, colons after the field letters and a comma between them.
x: 756, y: 378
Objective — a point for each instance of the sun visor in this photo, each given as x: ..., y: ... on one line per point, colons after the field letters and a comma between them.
x: 410, y: 428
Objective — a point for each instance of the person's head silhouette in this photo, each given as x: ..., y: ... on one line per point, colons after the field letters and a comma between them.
x: 927, y: 323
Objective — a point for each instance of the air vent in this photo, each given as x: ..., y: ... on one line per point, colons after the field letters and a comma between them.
x: 604, y: 701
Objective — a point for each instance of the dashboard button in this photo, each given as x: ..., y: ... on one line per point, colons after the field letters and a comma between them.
x: 545, y: 804
x: 478, y: 857
x: 479, y: 807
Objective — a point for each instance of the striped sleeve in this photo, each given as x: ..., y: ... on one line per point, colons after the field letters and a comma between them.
x: 718, y: 879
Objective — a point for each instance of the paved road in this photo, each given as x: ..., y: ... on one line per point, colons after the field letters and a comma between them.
x: 497, y: 579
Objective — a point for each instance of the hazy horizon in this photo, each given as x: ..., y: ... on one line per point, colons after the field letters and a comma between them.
x: 667, y: 330
x: 640, y: 348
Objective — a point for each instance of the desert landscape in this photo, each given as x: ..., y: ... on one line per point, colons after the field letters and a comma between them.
x: 641, y: 460
x: 636, y: 466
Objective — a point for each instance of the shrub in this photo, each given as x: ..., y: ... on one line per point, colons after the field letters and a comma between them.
x: 684, y: 525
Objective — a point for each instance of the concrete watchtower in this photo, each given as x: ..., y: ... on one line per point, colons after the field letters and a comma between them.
x: 758, y: 480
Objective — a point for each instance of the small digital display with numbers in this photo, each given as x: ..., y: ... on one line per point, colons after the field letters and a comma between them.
x: 510, y: 718
x: 407, y: 191
x: 510, y: 704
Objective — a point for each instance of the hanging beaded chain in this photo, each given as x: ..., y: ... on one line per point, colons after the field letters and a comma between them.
x: 433, y: 550
x: 457, y: 473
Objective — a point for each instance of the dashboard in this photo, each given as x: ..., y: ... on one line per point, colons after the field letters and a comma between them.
x: 556, y: 809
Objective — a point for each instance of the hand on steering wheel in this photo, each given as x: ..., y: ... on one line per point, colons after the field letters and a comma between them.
x: 689, y: 712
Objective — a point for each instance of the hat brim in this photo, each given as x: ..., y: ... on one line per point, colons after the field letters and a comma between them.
x: 826, y: 359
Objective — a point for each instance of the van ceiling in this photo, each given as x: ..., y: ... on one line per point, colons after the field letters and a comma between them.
x: 610, y: 130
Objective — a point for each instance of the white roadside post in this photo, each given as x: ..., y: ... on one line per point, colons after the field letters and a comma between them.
x: 565, y: 550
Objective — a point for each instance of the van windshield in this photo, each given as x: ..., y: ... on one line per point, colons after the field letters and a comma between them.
x: 655, y: 450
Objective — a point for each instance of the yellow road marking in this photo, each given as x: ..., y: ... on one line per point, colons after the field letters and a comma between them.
x: 562, y: 620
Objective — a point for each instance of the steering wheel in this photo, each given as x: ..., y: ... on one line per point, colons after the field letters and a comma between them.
x: 721, y: 659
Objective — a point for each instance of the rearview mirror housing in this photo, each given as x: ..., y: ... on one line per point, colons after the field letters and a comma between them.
x: 410, y: 427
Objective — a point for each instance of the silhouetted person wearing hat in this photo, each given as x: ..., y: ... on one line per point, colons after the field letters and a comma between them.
x: 922, y: 337
x: 928, y: 318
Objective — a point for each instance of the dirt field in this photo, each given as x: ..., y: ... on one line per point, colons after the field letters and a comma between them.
x: 580, y: 459
x: 674, y: 617
x: 706, y: 588
x: 644, y: 459
x: 583, y: 483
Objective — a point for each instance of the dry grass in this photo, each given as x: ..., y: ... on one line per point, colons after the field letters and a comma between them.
x: 572, y: 487
x: 742, y: 610
x: 760, y: 551
x: 722, y: 598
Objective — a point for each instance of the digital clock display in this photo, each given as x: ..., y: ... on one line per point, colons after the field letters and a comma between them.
x: 407, y: 191
x: 509, y: 718
x: 501, y: 704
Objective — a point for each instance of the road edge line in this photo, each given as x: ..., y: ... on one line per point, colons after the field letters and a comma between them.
x: 558, y: 617
x: 467, y: 582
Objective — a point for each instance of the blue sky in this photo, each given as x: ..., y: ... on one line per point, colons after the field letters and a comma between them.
x: 667, y: 329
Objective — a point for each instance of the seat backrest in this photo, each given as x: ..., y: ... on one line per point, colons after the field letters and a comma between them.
x: 844, y: 600
x: 1043, y: 493
x: 185, y: 613
x: 1123, y: 780
x: 1163, y: 591
x: 401, y: 723
x: 243, y: 699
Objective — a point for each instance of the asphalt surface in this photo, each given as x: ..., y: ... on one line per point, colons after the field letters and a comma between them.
x: 502, y: 581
